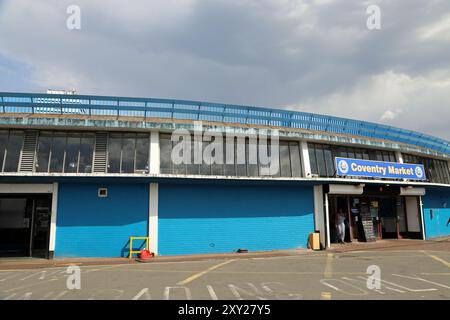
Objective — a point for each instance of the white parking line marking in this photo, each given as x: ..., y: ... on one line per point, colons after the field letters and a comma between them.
x: 212, y: 293
x: 327, y: 282
x: 145, y: 292
x: 186, y: 290
x: 383, y: 285
x: 421, y: 279
x: 254, y: 293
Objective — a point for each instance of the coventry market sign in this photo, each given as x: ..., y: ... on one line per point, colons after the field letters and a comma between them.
x: 379, y: 169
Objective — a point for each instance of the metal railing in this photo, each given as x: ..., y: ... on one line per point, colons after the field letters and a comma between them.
x: 30, y: 103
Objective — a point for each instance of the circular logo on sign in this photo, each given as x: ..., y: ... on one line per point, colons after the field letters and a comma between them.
x: 419, y: 172
x: 343, y: 166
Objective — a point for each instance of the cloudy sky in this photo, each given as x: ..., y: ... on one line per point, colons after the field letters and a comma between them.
x: 309, y: 55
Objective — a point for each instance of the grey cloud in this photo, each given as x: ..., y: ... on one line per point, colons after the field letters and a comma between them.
x: 279, y: 53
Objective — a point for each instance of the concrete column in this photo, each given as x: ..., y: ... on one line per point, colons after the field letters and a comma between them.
x: 153, y: 218
x: 305, y: 159
x: 154, y: 153
x: 52, y: 238
x: 399, y: 156
x: 319, y: 214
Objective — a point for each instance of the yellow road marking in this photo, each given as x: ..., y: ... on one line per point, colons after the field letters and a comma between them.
x: 325, y: 296
x: 328, y: 272
x: 202, y: 273
x: 445, y: 263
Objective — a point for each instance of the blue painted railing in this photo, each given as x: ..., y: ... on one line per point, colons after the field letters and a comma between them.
x: 31, y: 103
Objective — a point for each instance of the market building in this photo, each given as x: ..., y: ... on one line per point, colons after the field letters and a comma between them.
x: 80, y: 175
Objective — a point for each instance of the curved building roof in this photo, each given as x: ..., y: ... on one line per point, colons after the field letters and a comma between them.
x: 89, y: 105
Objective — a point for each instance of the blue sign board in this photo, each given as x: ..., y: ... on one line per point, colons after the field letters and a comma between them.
x: 379, y: 169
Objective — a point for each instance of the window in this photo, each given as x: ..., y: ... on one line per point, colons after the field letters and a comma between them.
x: 437, y: 170
x: 165, y: 151
x: 128, y: 153
x: 312, y: 160
x: 43, y: 151
x: 57, y: 152
x: 241, y: 157
x: 86, y: 153
x: 229, y: 168
x: 285, y: 161
x: 248, y: 166
x: 322, y: 156
x: 13, y: 149
x: 114, y: 152
x: 296, y: 163
x: 320, y: 161
x: 329, y: 161
x: 142, y: 153
x: 3, y: 143
x: 193, y: 168
x: 72, y: 152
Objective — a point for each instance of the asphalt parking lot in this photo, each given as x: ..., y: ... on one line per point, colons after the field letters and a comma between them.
x: 410, y: 274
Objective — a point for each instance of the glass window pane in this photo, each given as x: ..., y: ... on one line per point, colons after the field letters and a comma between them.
x: 392, y: 157
x: 329, y: 162
x: 342, y: 152
x: 72, y: 150
x: 142, y: 153
x: 351, y: 153
x: 86, y: 153
x: 320, y: 162
x: 241, y: 168
x: 165, y: 146
x: 296, y: 164
x: 217, y: 168
x: 379, y: 156
x: 365, y: 154
x: 358, y: 154
x: 229, y: 169
x: 386, y: 156
x: 43, y: 152
x: 312, y: 159
x: 13, y: 151
x: 252, y: 144
x: 285, y: 161
x: 193, y: 168
x: 57, y: 152
x: 114, y: 152
x: 180, y: 168
x: 128, y: 152
x: 3, y: 143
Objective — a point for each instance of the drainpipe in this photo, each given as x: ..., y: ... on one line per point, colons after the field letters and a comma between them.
x: 422, y: 217
x: 327, y: 220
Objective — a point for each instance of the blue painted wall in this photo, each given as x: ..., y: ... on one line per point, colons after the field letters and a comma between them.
x: 89, y: 226
x: 436, y: 222
x: 223, y: 218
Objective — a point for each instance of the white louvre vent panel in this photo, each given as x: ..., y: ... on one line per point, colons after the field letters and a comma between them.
x: 100, y: 152
x: 27, y: 155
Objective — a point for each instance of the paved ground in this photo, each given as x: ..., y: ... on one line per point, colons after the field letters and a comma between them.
x: 338, y: 274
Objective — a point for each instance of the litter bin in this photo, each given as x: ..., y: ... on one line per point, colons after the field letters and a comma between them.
x: 314, y: 241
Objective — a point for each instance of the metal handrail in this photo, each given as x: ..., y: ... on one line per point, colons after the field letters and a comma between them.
x: 34, y: 103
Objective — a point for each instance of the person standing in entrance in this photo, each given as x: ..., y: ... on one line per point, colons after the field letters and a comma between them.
x: 340, y: 225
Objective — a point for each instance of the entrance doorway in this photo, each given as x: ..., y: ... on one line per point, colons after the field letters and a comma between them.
x: 374, y: 217
x: 24, y: 225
